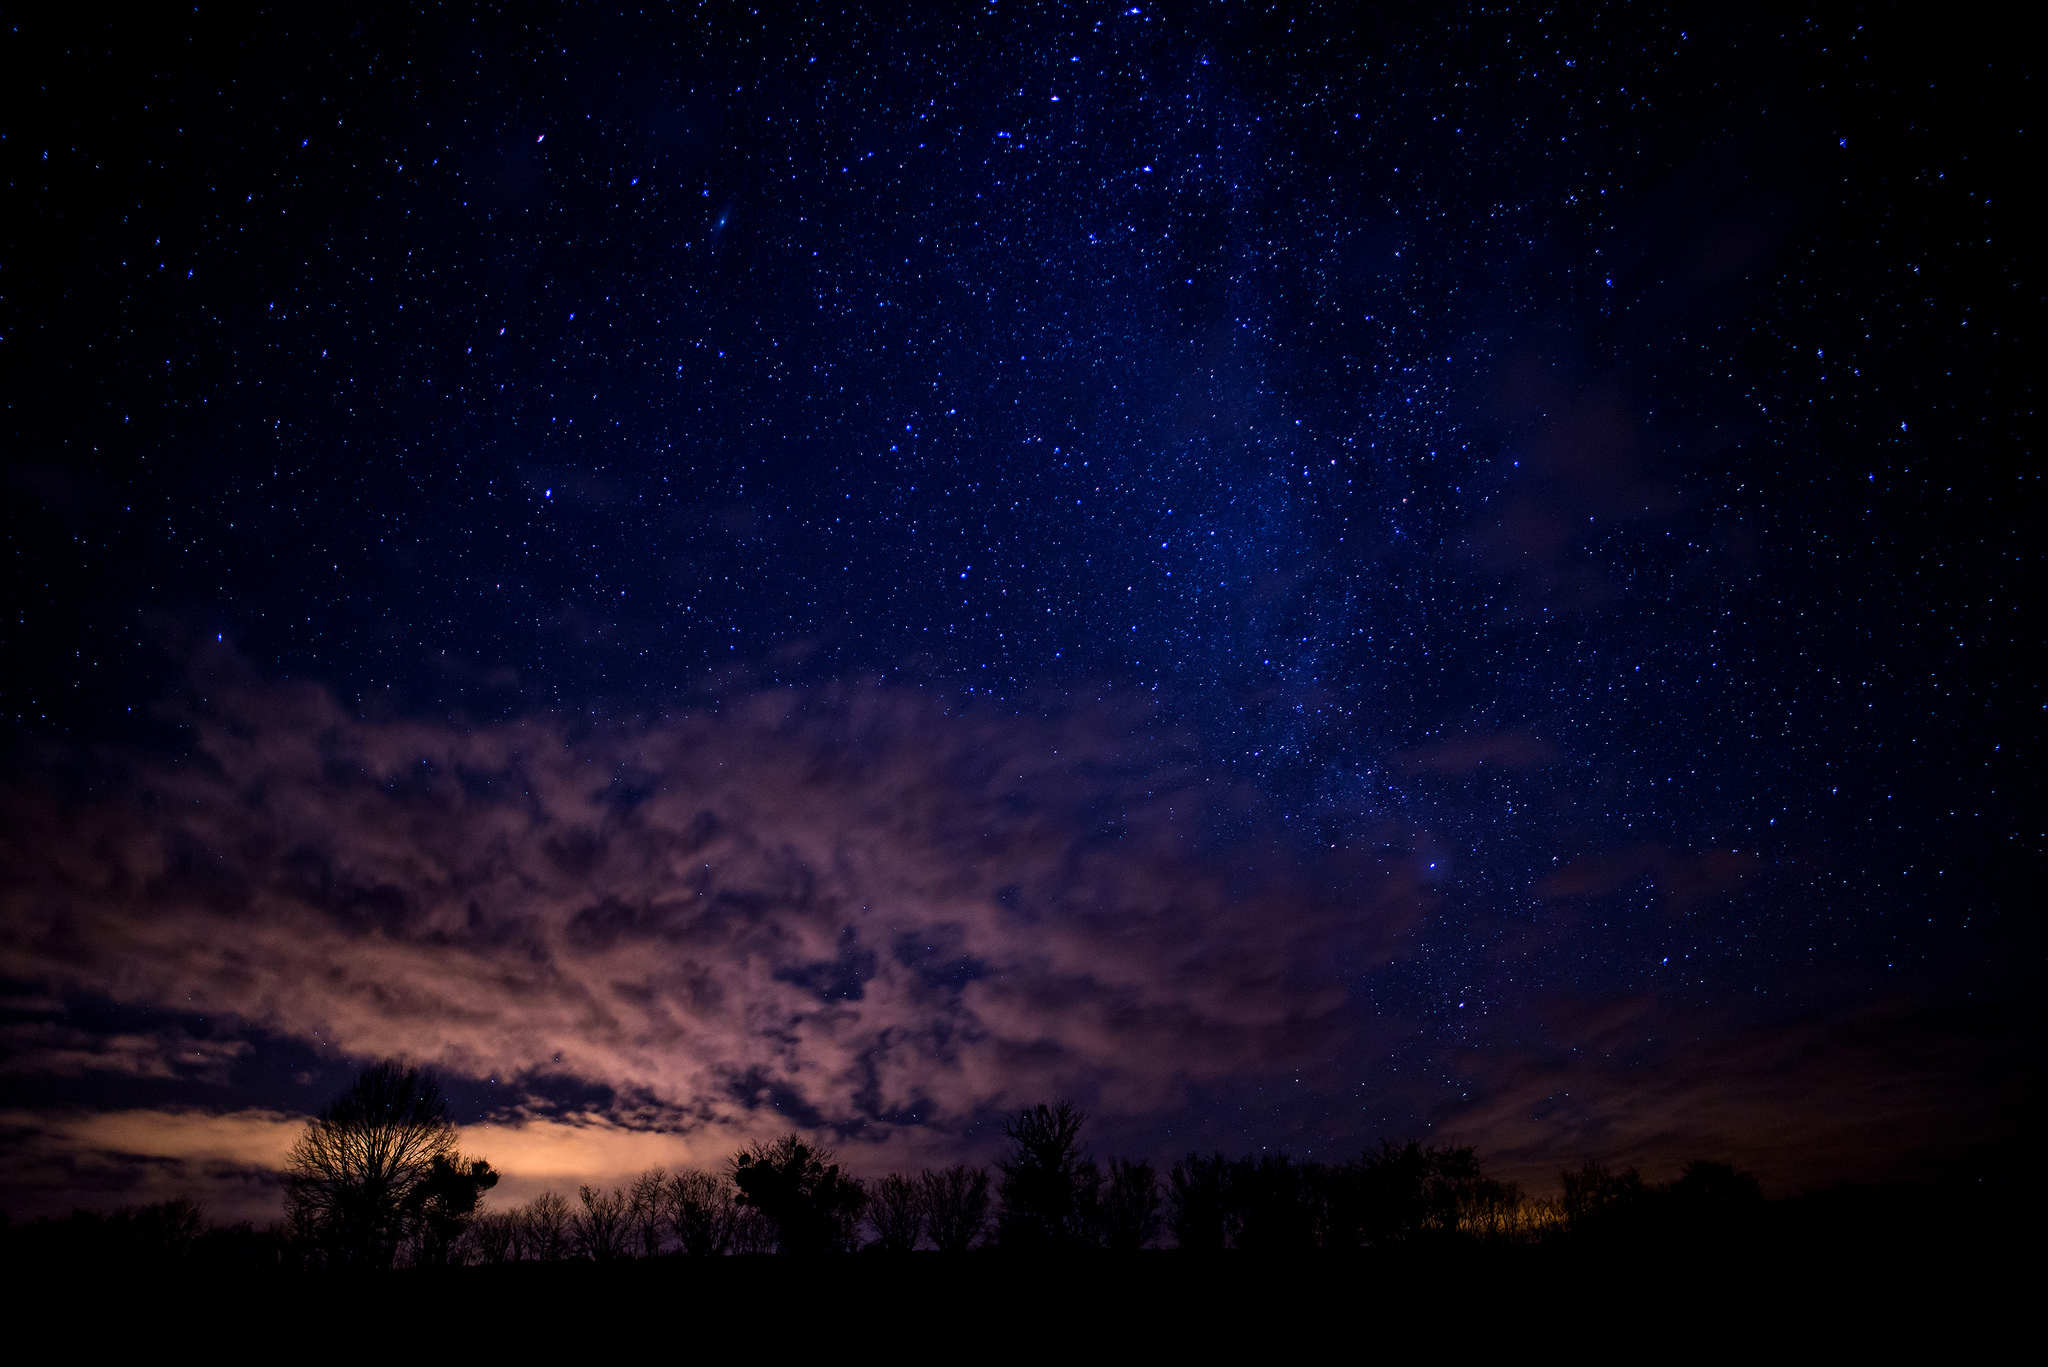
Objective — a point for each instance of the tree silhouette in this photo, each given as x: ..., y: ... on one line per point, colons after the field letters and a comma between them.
x: 351, y: 1174
x: 956, y: 1202
x: 1594, y: 1196
x: 1200, y: 1210
x: 443, y: 1203
x: 603, y: 1232
x: 812, y: 1205
x: 647, y: 1211
x: 1272, y: 1196
x: 1130, y: 1205
x: 1403, y: 1192
x: 547, y: 1224
x: 1713, y: 1198
x: 896, y: 1210
x: 1048, y: 1188
x: 497, y: 1236
x: 701, y: 1212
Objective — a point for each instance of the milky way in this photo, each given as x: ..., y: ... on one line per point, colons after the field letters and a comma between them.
x: 1490, y: 541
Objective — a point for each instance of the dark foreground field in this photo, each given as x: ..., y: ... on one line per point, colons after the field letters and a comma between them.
x: 1807, y: 1280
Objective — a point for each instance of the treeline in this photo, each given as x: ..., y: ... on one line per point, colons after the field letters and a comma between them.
x: 1045, y: 1195
x: 376, y: 1183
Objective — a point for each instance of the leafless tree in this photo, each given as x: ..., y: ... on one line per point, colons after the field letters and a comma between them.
x: 602, y: 1230
x: 956, y: 1202
x: 702, y: 1212
x: 1130, y: 1205
x: 547, y: 1225
x: 896, y: 1210
x: 647, y: 1211
x: 1050, y: 1189
x: 351, y: 1173
x: 494, y: 1237
x: 753, y: 1231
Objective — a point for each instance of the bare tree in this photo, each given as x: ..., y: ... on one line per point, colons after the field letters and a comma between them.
x: 1049, y: 1188
x: 647, y: 1211
x: 1130, y: 1205
x: 1202, y: 1212
x: 702, y: 1213
x: 896, y: 1210
x: 956, y: 1202
x: 350, y: 1175
x: 547, y: 1224
x: 753, y: 1231
x: 602, y: 1232
x: 494, y: 1237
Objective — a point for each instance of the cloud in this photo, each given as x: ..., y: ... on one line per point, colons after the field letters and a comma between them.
x: 846, y: 908
x: 54, y: 1049
x: 230, y: 1162
x: 1687, y: 882
x: 233, y: 1162
x: 1896, y: 1088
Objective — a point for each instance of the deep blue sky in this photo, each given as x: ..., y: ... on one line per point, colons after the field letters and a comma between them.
x: 1587, y: 453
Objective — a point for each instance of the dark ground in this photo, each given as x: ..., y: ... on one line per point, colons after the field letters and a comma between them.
x: 1891, y: 1272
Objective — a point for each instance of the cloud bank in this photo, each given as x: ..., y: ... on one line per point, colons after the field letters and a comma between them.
x: 872, y: 915
x: 849, y: 908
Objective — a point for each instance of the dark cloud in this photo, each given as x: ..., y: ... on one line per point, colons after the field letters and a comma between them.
x: 869, y: 913
x: 1684, y: 881
x: 853, y: 907
x: 1897, y: 1087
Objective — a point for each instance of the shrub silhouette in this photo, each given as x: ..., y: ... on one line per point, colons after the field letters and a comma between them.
x: 812, y: 1205
x: 1048, y: 1187
x: 956, y: 1204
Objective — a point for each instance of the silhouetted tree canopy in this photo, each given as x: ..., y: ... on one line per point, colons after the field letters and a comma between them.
x: 548, y: 1227
x: 1716, y: 1188
x: 896, y: 1210
x: 1130, y: 1205
x: 1200, y: 1211
x: 444, y: 1203
x: 604, y: 1230
x: 812, y: 1205
x: 702, y: 1213
x: 350, y: 1180
x: 956, y: 1205
x: 376, y: 1176
x: 1048, y: 1187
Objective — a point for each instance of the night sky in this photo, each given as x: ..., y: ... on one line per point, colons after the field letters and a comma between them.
x: 1292, y: 574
